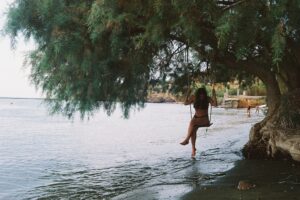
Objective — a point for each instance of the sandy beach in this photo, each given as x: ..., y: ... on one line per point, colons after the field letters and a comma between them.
x: 276, y: 180
x: 272, y: 179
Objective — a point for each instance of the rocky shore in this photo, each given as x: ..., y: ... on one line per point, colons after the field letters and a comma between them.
x: 161, y: 98
x: 243, y: 101
x: 240, y: 101
x: 269, y: 141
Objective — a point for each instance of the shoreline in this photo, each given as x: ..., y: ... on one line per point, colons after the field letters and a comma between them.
x: 240, y: 101
x: 273, y: 179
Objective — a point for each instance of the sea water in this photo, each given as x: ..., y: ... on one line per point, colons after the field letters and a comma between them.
x: 51, y: 157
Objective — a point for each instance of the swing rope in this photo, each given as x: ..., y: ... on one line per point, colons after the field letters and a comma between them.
x: 209, y: 115
x: 188, y: 74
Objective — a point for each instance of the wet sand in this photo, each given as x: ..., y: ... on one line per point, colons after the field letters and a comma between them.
x: 273, y: 179
x: 276, y: 180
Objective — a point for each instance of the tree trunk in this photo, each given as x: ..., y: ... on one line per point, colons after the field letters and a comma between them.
x: 278, y: 135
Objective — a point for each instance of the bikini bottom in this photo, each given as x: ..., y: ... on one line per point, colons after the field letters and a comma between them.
x: 201, y: 121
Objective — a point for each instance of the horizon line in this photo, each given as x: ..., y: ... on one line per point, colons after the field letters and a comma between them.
x: 5, y: 97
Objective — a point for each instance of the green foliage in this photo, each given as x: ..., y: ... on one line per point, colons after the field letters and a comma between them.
x: 92, y: 54
x: 224, y: 30
x: 75, y: 71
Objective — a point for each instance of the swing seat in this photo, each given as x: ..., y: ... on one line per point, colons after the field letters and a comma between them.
x: 205, y: 125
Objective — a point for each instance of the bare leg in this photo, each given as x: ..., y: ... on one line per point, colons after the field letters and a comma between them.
x: 189, y: 134
x: 193, y: 140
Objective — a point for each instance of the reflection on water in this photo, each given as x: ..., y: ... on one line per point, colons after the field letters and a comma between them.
x: 45, y: 156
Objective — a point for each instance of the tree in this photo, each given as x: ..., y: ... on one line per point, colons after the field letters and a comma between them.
x: 94, y: 53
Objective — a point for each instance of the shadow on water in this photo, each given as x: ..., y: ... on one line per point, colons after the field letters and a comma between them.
x: 277, y: 180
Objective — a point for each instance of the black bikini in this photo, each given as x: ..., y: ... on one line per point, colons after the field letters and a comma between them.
x: 195, y: 116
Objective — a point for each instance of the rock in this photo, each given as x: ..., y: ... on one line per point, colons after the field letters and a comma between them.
x: 160, y: 98
x: 285, y: 142
x: 273, y: 142
x: 245, y: 185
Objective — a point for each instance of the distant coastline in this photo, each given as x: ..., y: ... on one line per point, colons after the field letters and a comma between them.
x: 229, y: 102
x: 241, y: 101
x: 29, y: 98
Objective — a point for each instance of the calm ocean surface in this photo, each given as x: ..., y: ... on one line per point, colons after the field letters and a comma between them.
x: 51, y: 157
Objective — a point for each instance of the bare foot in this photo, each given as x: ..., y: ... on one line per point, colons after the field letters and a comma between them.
x: 194, y: 153
x: 184, y: 142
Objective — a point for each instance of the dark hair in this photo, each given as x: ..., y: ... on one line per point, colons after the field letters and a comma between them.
x: 201, y: 103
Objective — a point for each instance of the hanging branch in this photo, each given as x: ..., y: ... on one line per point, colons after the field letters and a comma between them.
x: 233, y: 4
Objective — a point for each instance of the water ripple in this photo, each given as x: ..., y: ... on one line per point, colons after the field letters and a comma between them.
x: 50, y: 157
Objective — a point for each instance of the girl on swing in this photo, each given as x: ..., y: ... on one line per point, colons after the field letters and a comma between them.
x: 200, y: 119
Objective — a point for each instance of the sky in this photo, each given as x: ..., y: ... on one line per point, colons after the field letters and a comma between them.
x: 14, y: 81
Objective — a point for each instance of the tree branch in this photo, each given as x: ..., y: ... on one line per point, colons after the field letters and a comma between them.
x: 249, y: 65
x: 259, y: 70
x: 233, y: 5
